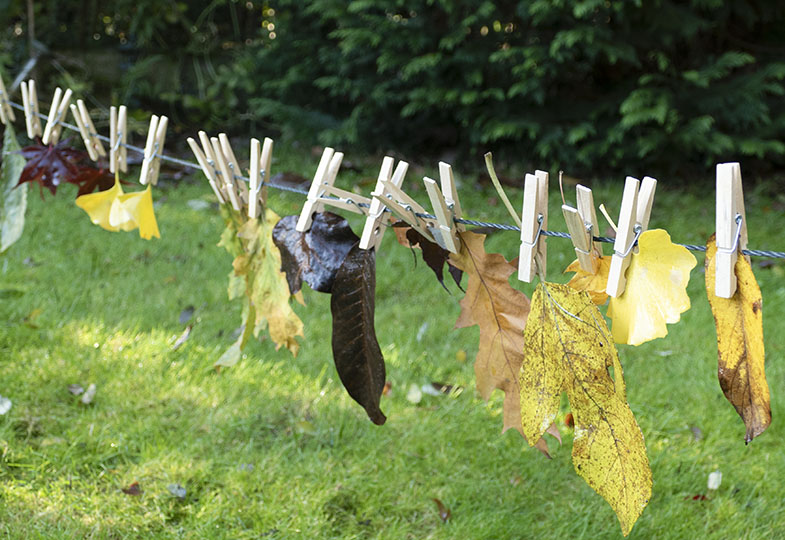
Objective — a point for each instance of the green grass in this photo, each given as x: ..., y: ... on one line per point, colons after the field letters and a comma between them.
x: 274, y: 448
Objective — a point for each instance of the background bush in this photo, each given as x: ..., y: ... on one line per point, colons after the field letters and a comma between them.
x: 591, y: 86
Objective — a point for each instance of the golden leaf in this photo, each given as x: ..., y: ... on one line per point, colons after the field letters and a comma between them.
x: 739, y: 322
x: 114, y: 210
x: 568, y: 348
x: 500, y: 311
x: 594, y: 284
x: 656, y: 290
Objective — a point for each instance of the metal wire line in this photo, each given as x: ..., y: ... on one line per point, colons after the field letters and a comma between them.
x: 475, y: 223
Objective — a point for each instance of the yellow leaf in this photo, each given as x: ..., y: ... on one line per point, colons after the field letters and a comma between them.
x: 500, y: 311
x: 739, y: 322
x: 139, y: 206
x: 656, y: 290
x: 568, y: 348
x: 594, y: 284
x: 99, y: 205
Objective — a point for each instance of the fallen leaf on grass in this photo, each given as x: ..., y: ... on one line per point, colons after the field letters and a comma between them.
x: 387, y: 390
x: 741, y: 355
x: 186, y: 314
x: 89, y: 394
x: 76, y: 389
x: 5, y: 405
x: 30, y: 320
x: 444, y: 512
x: 183, y: 337
x: 177, y: 490
x: 134, y: 490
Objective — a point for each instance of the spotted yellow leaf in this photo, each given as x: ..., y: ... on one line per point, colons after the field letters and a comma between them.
x: 594, y: 284
x: 739, y: 323
x: 568, y: 348
x: 656, y: 290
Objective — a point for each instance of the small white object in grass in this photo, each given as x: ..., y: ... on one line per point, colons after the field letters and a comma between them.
x: 198, y: 204
x: 89, y: 394
x: 421, y: 331
x: 177, y: 490
x: 414, y: 395
x: 715, y: 479
x: 430, y: 390
x: 665, y: 353
x: 5, y: 405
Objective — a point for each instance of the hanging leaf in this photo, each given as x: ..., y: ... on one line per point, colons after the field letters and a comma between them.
x: 51, y: 165
x: 500, y: 311
x: 594, y: 284
x: 739, y: 322
x: 91, y: 179
x: 114, y: 210
x: 356, y: 352
x: 656, y: 290
x: 13, y: 198
x: 315, y: 255
x: 266, y: 287
x: 434, y: 256
x: 568, y: 348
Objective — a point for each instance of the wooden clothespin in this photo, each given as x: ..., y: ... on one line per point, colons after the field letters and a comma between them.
x: 6, y: 112
x: 731, y: 228
x: 226, y: 174
x: 322, y: 191
x: 402, y: 205
x: 57, y: 111
x: 582, y: 224
x: 118, y: 137
x: 234, y: 166
x: 446, y: 208
x: 153, y: 150
x: 207, y: 168
x: 534, y: 220
x: 377, y: 220
x: 261, y: 159
x: 30, y: 103
x: 635, y: 211
x: 86, y: 128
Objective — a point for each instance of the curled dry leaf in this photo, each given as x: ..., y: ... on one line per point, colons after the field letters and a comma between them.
x: 741, y: 356
x: 594, y: 284
x: 315, y: 255
x: 444, y: 512
x: 358, y: 358
x: 656, y: 290
x: 500, y: 311
x: 134, y: 490
x: 434, y: 256
x: 569, y: 349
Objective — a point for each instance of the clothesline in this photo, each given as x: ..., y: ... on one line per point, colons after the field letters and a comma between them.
x: 475, y: 223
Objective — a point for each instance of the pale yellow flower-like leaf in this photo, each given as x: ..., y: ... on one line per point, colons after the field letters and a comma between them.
x: 656, y: 290
x: 594, y: 284
x: 115, y: 210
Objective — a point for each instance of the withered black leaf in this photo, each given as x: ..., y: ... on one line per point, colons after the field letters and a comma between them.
x: 356, y: 352
x: 434, y: 256
x: 316, y: 255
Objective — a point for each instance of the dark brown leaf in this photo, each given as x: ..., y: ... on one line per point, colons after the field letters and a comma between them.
x: 356, y: 352
x: 434, y: 256
x: 90, y: 179
x: 316, y: 255
x: 444, y: 512
x: 133, y: 490
x: 50, y: 166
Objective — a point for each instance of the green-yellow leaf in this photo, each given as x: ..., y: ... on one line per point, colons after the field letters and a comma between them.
x: 739, y: 322
x: 13, y: 197
x: 567, y: 347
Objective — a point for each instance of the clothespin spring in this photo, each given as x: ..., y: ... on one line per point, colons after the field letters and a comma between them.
x: 731, y: 250
x: 540, y: 219
x: 638, y: 230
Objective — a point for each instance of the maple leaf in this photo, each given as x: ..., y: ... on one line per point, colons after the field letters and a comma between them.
x: 114, y: 210
x: 656, y: 290
x: 265, y: 285
x: 739, y: 323
x: 50, y: 166
x: 568, y: 348
x: 500, y: 311
x: 91, y: 179
x: 594, y: 284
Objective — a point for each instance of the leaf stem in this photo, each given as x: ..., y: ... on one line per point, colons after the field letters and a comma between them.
x: 499, y: 189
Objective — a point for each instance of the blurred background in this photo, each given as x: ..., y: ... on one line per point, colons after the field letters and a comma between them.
x: 594, y: 87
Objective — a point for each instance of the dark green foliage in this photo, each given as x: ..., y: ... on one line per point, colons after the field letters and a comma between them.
x: 590, y: 86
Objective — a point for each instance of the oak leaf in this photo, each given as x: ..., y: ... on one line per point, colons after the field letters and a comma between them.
x: 568, y: 348
x: 656, y: 290
x: 739, y: 323
x: 594, y: 284
x: 500, y: 311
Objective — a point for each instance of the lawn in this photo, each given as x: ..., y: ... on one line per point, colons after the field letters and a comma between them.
x: 274, y: 448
